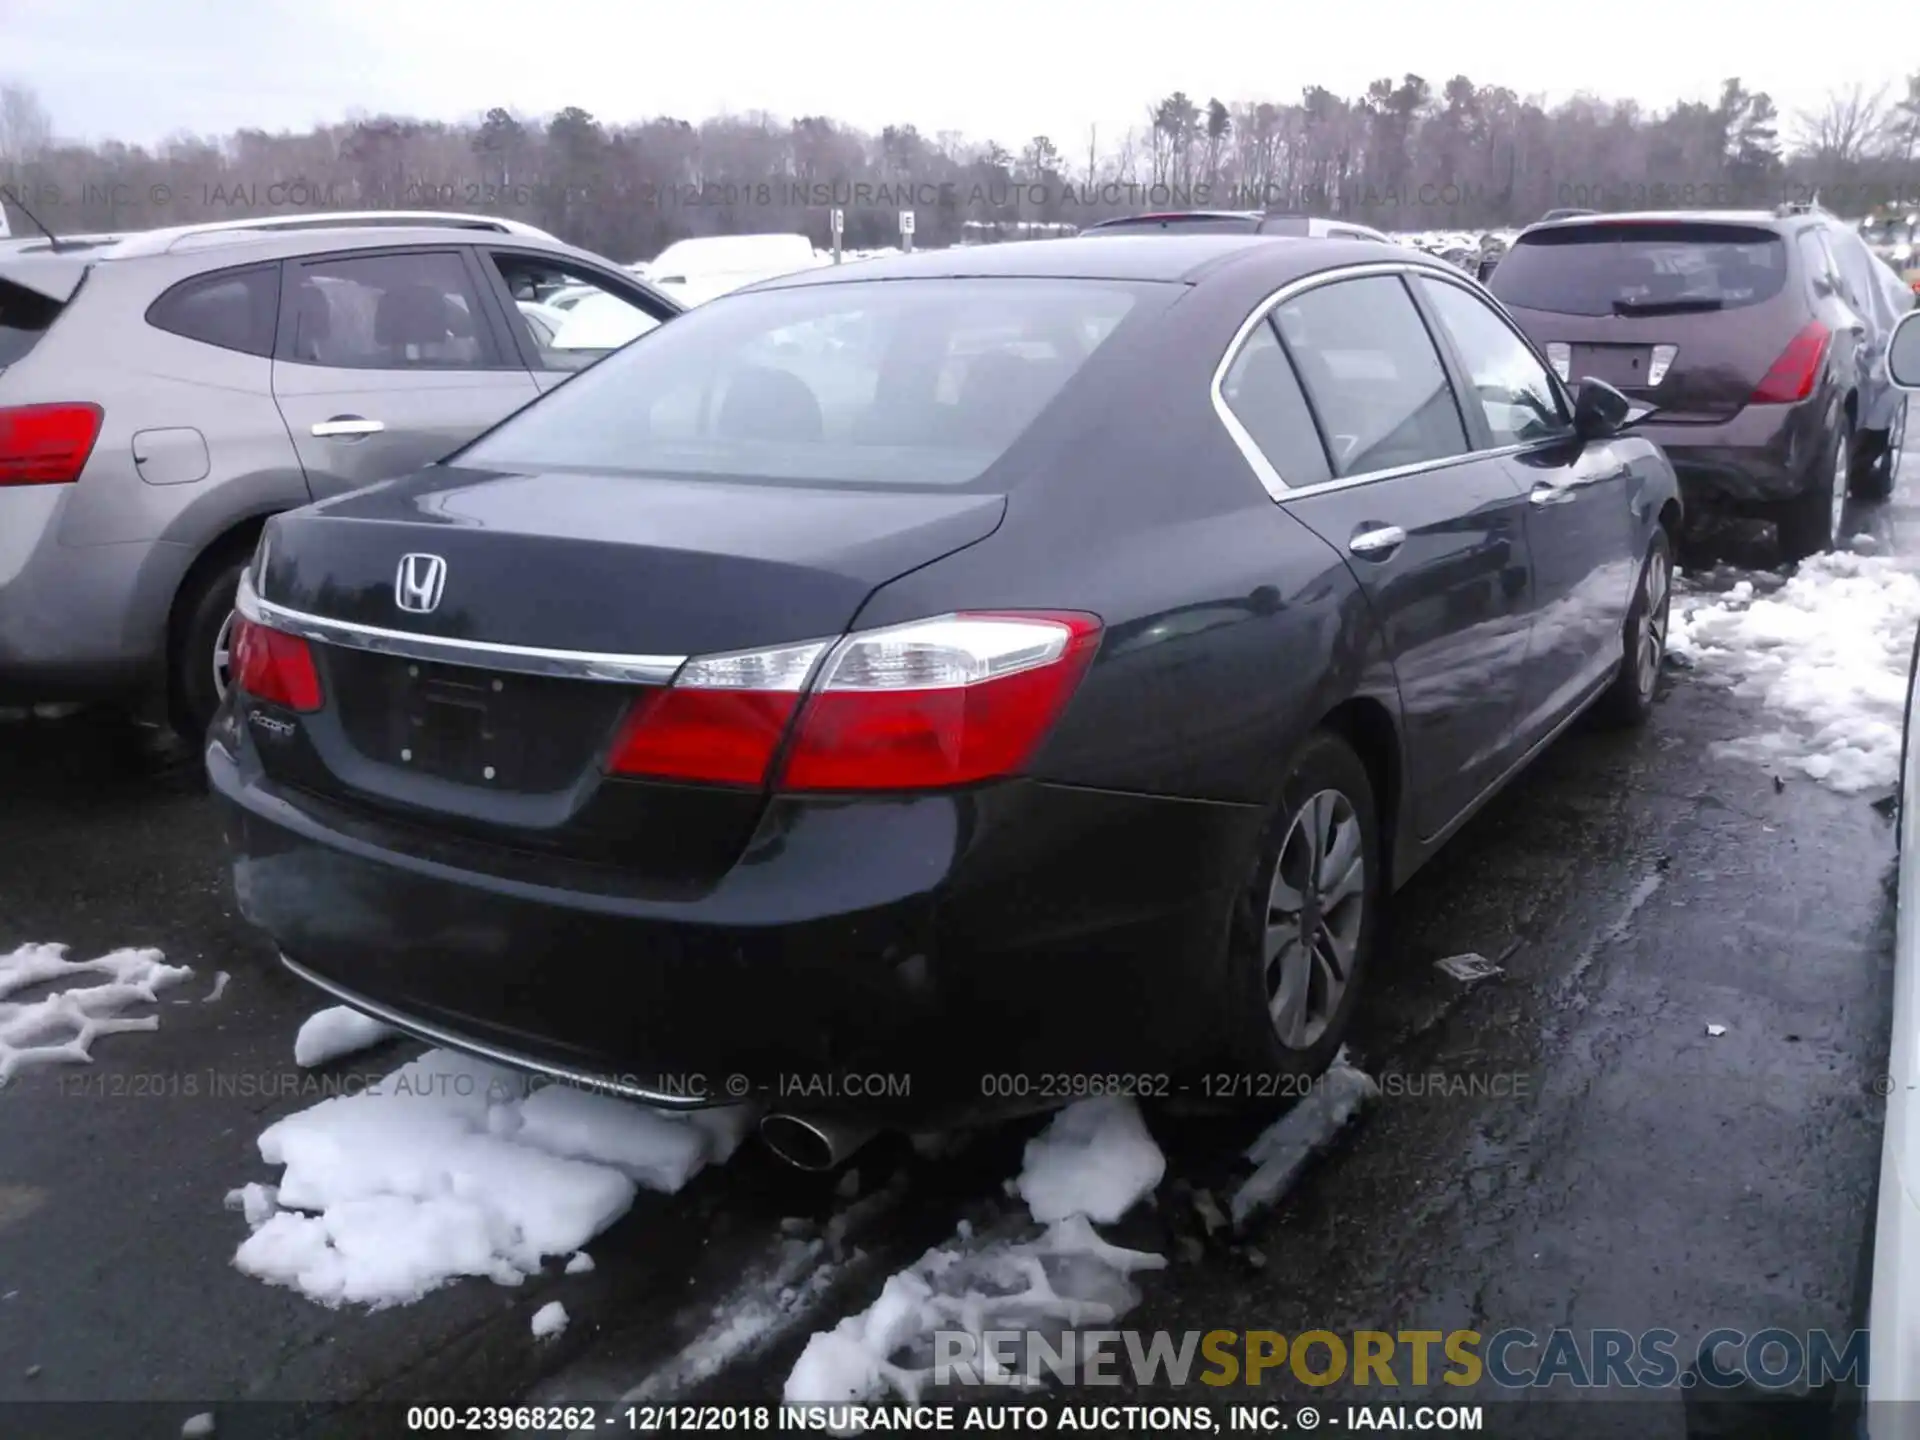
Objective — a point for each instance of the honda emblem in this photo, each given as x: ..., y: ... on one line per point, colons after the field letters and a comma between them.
x: 418, y: 585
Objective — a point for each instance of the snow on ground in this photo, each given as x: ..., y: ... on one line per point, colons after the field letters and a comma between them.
x: 62, y: 1026
x: 1095, y: 1154
x: 1286, y: 1147
x: 1095, y: 1159
x: 329, y: 1034
x: 1826, y: 654
x: 452, y: 1167
x: 549, y: 1320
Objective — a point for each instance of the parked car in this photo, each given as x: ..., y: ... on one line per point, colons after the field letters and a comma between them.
x: 1745, y: 333
x: 704, y: 267
x: 1893, y: 1318
x: 1039, y: 659
x: 1237, y: 222
x: 159, y: 398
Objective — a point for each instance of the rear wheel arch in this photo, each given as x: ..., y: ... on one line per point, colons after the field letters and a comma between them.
x: 1669, y: 519
x: 1368, y: 726
x: 231, y: 547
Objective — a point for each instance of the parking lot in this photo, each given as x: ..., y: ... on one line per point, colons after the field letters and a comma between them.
x: 1660, y: 1113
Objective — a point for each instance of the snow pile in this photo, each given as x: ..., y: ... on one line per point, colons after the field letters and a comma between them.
x: 1096, y: 1159
x: 1285, y: 1147
x: 549, y: 1320
x: 329, y: 1034
x: 63, y: 1026
x: 451, y: 1167
x: 1096, y: 1153
x: 1827, y: 653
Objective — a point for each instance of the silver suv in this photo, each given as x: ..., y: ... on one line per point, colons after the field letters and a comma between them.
x: 161, y: 395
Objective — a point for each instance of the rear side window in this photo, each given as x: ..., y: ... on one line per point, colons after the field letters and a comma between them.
x: 25, y: 316
x: 234, y: 309
x: 1373, y: 375
x: 1264, y: 395
x: 923, y: 382
x: 1656, y: 268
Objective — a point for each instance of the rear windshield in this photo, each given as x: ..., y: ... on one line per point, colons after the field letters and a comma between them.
x: 1652, y: 269
x: 917, y: 382
x: 24, y: 318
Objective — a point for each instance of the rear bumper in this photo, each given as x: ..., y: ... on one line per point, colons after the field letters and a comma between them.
x: 936, y: 941
x: 1764, y: 454
x: 76, y: 622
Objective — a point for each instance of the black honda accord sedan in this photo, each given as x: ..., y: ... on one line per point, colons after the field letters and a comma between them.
x: 1021, y: 670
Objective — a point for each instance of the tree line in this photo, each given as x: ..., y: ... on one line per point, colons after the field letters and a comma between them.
x: 1401, y: 156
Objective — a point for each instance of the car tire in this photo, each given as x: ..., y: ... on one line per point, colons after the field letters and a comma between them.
x: 203, y: 621
x: 1327, y: 793
x: 1628, y: 702
x: 1809, y: 523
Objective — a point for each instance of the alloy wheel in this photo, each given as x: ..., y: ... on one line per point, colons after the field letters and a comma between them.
x: 223, y: 657
x: 1316, y: 902
x: 1651, y: 642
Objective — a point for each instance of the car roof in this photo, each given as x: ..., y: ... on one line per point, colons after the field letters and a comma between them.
x: 1764, y: 219
x: 1166, y: 258
x: 244, y: 245
x: 1163, y: 217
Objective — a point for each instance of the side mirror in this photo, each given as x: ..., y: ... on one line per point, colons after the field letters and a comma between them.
x: 1903, y: 352
x: 1599, y: 410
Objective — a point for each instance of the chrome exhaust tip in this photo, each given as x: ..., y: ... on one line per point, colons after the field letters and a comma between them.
x: 813, y: 1142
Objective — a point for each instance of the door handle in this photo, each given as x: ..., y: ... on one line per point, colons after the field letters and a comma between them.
x: 1377, y: 542
x: 1545, y: 494
x: 346, y: 427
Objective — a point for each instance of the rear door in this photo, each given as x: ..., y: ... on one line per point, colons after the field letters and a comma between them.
x: 387, y: 360
x: 1582, y: 535
x: 1434, y: 532
x: 1684, y: 314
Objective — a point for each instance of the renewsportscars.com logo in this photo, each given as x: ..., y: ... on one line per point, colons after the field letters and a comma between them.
x: 1512, y: 1359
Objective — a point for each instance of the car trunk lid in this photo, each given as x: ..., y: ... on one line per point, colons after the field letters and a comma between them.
x: 479, y: 714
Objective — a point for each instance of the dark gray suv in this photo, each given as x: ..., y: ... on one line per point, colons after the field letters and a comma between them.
x: 161, y: 396
x: 1759, y: 337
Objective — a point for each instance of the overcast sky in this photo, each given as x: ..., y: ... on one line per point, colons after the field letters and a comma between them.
x: 139, y: 70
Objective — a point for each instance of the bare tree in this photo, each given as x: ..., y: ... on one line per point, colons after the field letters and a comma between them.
x: 1847, y: 128
x: 26, y: 130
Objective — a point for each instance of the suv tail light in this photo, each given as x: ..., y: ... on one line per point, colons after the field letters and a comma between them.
x: 274, y: 666
x: 1794, y: 373
x: 920, y: 706
x: 46, y: 444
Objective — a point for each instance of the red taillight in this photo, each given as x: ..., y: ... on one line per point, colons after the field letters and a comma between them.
x: 1793, y: 374
x: 721, y: 719
x: 934, y: 703
x: 46, y: 444
x: 274, y: 666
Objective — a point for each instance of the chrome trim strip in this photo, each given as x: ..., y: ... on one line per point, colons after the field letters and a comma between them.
x: 437, y: 649
x: 434, y: 1035
x: 1270, y: 478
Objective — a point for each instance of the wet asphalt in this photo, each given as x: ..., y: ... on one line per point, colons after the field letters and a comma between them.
x: 1563, y: 1144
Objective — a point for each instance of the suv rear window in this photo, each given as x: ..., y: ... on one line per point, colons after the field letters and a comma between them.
x: 923, y: 382
x: 24, y: 317
x: 1657, y: 268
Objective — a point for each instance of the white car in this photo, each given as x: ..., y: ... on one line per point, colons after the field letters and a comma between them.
x: 696, y: 270
x: 545, y: 320
x: 597, y: 324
